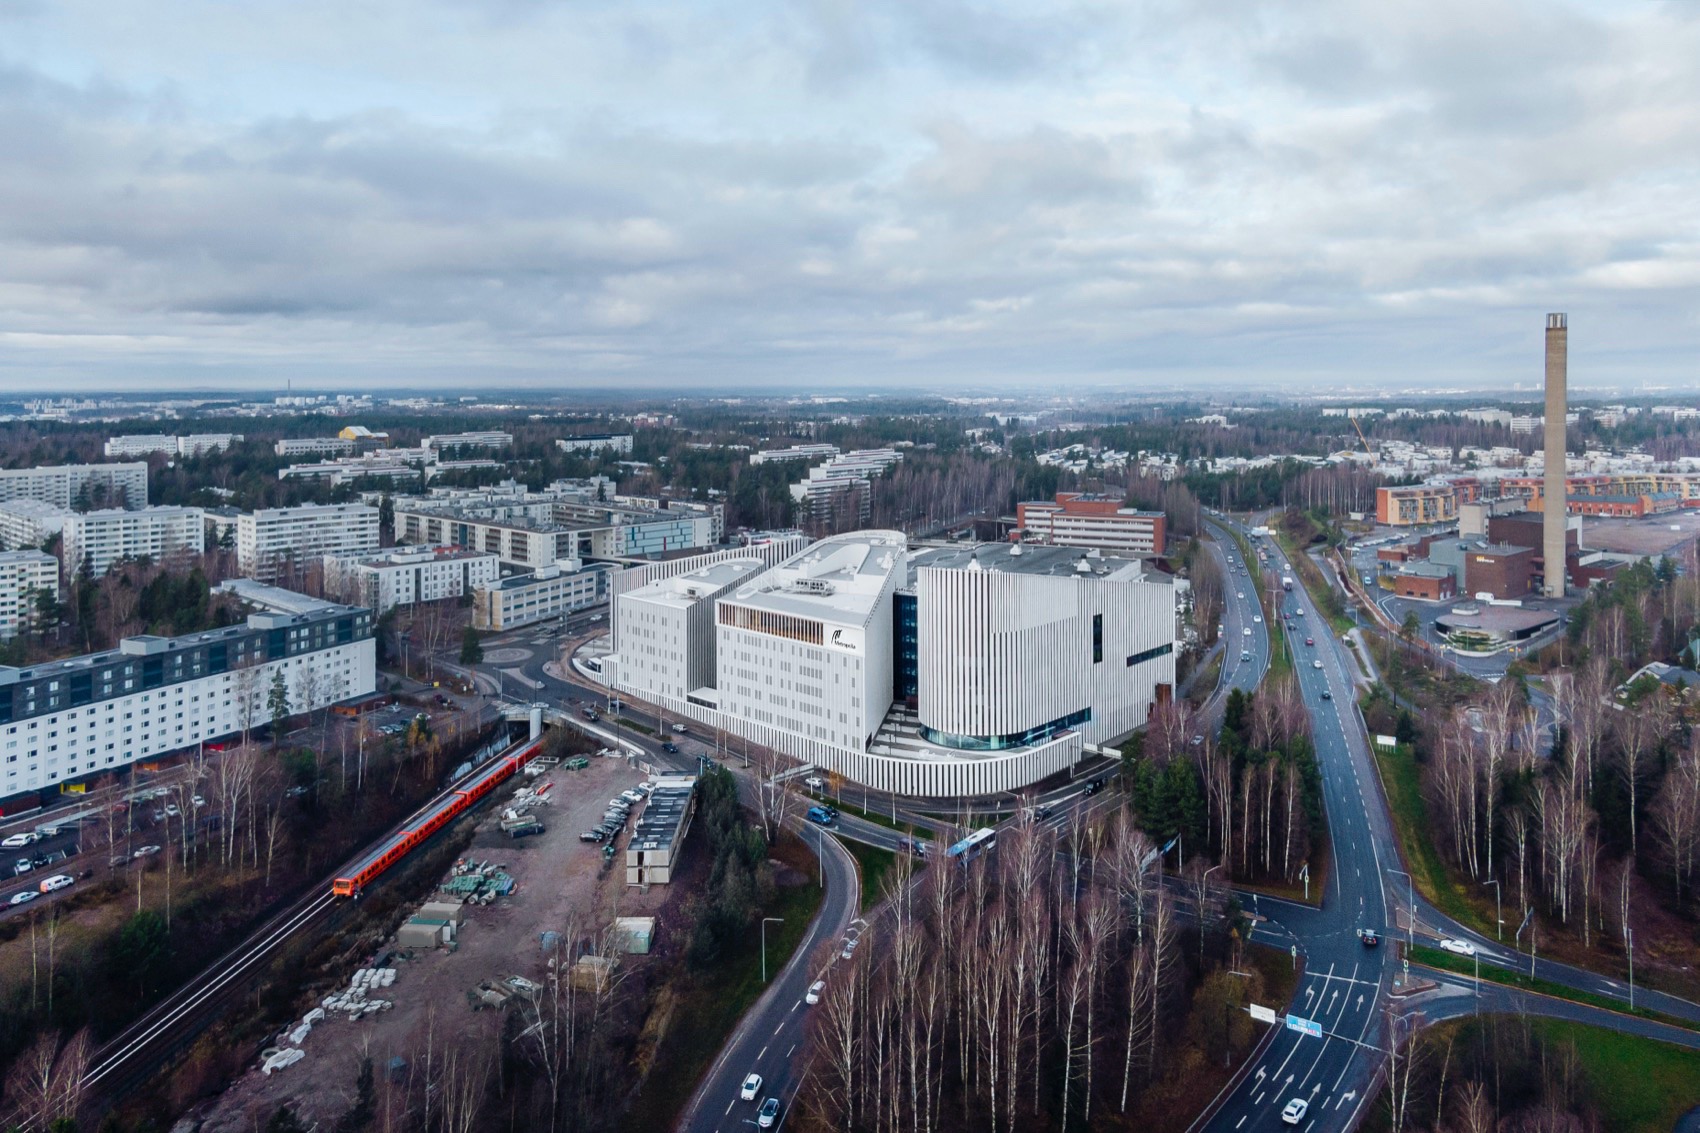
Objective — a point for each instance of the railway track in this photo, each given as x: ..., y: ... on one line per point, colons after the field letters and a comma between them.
x: 121, y: 1064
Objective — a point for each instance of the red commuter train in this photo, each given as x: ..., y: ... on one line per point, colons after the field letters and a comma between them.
x: 435, y: 815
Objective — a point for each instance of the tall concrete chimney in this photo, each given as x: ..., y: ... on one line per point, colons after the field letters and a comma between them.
x: 1557, y: 504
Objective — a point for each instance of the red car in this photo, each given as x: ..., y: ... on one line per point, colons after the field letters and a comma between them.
x: 1308, y: 641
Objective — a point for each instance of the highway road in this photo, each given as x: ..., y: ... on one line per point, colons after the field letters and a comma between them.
x: 1240, y: 608
x: 1344, y: 984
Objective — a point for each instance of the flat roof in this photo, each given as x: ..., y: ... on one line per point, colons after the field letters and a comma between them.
x: 676, y: 589
x: 837, y: 578
x: 1652, y: 535
x: 1027, y: 558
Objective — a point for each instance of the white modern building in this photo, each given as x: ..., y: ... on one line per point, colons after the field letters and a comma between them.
x: 269, y: 540
x: 597, y: 442
x: 30, y: 523
x: 548, y: 592
x: 23, y: 576
x: 404, y: 576
x: 68, y: 485
x: 666, y: 629
x: 941, y: 672
x: 100, y: 538
x: 841, y: 481
x: 76, y: 719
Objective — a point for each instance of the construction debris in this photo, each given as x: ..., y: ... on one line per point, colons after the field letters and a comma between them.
x: 278, y: 1059
x: 354, y: 1002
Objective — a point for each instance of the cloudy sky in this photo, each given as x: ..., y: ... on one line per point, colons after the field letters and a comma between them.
x: 907, y: 193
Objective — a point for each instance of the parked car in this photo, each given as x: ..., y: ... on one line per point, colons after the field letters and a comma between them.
x: 56, y: 882
x: 24, y: 897
x: 815, y: 989
x: 1461, y: 947
x: 24, y: 866
x: 751, y: 1089
x: 145, y: 852
x: 18, y: 841
x: 815, y: 783
x: 632, y: 797
x: 678, y: 729
x: 592, y: 836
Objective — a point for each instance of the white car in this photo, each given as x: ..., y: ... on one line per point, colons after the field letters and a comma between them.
x: 1298, y: 613
x: 814, y: 783
x: 23, y: 898
x: 17, y: 841
x: 1462, y: 947
x: 57, y: 881
x: 815, y: 990
x: 1316, y: 664
x: 1294, y: 1111
x: 1247, y: 631
x: 1258, y: 618
x: 1241, y: 594
x: 751, y: 1088
x: 146, y: 852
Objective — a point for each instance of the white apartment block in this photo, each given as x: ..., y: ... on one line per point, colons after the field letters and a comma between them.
x: 548, y: 592
x: 292, y: 447
x: 30, y: 523
x: 67, y: 484
x: 489, y: 439
x: 141, y: 444
x: 101, y: 538
x: 408, y: 575
x: 193, y: 445
x: 795, y: 452
x: 24, y: 575
x: 597, y: 442
x: 73, y: 720
x: 522, y: 542
x: 268, y: 540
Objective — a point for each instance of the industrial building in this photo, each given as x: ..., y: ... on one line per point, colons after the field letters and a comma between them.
x: 71, y: 720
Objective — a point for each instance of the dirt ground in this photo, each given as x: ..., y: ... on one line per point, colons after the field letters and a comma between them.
x: 561, y: 885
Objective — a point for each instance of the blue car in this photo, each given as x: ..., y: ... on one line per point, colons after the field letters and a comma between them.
x: 769, y: 1111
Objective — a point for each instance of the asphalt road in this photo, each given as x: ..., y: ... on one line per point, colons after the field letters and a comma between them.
x: 1344, y: 983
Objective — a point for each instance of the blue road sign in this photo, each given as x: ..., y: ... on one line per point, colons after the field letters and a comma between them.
x: 1304, y: 1026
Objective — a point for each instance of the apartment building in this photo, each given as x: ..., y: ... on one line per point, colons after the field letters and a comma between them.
x: 98, y: 539
x: 404, y: 576
x: 620, y: 443
x: 73, y: 720
x: 71, y: 485
x: 291, y: 448
x: 1080, y: 519
x: 845, y: 480
x: 1416, y: 505
x: 268, y: 541
x: 548, y: 592
x: 795, y: 452
x: 30, y: 523
x: 147, y: 444
x: 488, y: 439
x: 24, y: 575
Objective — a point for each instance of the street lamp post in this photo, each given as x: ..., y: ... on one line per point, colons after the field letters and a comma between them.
x: 764, y: 921
x: 1499, y: 921
x: 1203, y: 893
x: 1631, y: 933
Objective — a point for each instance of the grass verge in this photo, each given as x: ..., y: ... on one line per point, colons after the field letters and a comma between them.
x: 1401, y: 781
x: 874, y: 864
x: 1641, y: 1085
x: 711, y: 1002
x: 1464, y: 966
x: 627, y: 722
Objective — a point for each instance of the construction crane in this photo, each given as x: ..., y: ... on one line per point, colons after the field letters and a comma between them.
x: 1353, y: 417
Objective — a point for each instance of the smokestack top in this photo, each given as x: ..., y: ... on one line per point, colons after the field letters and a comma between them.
x: 1556, y: 321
